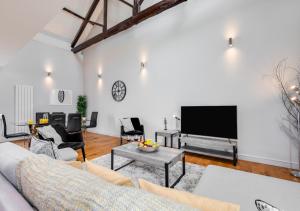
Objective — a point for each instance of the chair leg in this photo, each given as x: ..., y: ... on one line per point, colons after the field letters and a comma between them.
x: 83, y: 153
x: 29, y: 142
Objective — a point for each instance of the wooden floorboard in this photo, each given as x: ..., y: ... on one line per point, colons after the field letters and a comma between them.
x: 98, y: 145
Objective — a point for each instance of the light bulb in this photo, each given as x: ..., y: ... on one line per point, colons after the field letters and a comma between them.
x: 293, y: 87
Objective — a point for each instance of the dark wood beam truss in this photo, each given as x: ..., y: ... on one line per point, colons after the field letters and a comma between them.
x: 85, y: 22
x: 138, y: 17
x: 125, y: 2
x: 80, y: 17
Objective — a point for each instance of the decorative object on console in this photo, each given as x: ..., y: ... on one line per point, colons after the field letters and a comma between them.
x: 82, y: 105
x: 177, y: 122
x: 118, y: 91
x: 290, y: 92
x: 166, y: 123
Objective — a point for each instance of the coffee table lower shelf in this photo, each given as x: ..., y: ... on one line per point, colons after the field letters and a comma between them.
x: 167, y: 169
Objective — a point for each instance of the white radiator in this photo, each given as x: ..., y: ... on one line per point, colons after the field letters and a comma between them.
x: 23, y: 107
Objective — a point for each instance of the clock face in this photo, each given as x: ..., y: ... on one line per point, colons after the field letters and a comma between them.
x: 118, y: 91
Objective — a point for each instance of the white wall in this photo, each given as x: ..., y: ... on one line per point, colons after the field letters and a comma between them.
x: 189, y: 63
x: 29, y: 68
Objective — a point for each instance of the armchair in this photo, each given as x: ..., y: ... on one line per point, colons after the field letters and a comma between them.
x: 137, y: 129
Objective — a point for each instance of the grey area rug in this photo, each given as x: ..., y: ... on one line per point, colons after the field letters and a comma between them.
x: 139, y: 170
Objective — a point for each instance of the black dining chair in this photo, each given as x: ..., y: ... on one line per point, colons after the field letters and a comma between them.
x: 58, y: 118
x: 41, y: 115
x: 93, y: 121
x: 12, y: 135
x: 75, y: 139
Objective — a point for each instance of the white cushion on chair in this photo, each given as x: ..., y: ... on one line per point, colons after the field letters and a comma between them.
x: 67, y: 154
x: 126, y: 122
x: 38, y: 146
x: 49, y: 132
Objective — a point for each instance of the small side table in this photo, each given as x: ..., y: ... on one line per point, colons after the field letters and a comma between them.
x: 166, y: 134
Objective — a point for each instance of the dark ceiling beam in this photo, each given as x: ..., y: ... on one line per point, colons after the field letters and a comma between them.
x: 80, y: 17
x: 85, y: 22
x: 128, y: 23
x: 141, y: 2
x: 105, y: 12
x: 125, y: 2
x: 136, y: 8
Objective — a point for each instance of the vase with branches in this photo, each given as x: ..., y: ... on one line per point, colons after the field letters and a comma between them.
x: 288, y: 79
x: 82, y: 105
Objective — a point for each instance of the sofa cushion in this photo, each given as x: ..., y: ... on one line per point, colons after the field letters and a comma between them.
x: 50, y: 185
x: 10, y: 198
x: 107, y: 174
x: 10, y: 156
x: 203, y: 203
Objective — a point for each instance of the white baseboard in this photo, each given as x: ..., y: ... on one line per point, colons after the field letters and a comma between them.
x: 269, y: 161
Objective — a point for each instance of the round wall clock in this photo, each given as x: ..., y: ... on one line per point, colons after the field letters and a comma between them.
x: 118, y: 91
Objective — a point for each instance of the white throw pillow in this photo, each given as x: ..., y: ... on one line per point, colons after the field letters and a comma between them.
x: 126, y: 122
x: 49, y: 132
x: 38, y: 146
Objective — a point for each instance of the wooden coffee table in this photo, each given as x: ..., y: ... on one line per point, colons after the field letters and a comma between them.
x: 163, y: 158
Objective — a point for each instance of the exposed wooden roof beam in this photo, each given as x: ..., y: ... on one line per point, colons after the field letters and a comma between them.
x: 80, y: 17
x: 128, y: 23
x: 141, y: 2
x: 85, y: 22
x: 136, y: 7
x: 125, y: 2
x: 105, y: 11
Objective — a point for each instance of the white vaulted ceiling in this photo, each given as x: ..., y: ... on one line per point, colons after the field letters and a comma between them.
x: 21, y: 21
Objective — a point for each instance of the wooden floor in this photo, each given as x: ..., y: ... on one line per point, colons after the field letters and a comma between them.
x: 97, y: 145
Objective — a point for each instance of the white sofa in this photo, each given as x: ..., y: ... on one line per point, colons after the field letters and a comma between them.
x: 219, y: 183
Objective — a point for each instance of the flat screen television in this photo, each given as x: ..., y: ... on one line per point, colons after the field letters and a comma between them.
x: 213, y: 121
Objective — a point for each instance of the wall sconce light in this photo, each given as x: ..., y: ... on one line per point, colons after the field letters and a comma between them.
x: 143, y: 65
x: 230, y: 42
x: 99, y: 75
x: 49, y: 73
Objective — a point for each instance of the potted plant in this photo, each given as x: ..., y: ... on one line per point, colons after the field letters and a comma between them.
x: 82, y: 106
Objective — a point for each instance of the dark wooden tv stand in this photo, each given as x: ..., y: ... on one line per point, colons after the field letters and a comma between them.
x: 221, y: 148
